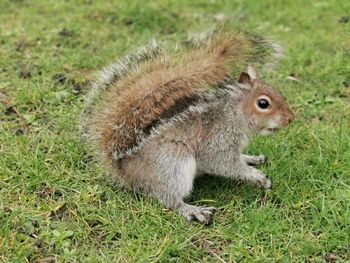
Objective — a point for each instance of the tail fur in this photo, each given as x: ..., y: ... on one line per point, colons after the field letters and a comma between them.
x: 110, y: 75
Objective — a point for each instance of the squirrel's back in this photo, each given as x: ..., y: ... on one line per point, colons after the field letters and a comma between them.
x: 143, y: 91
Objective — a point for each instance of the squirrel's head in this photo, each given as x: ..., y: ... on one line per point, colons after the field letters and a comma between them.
x: 265, y: 107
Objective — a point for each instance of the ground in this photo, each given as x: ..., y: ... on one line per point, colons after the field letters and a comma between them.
x: 58, y: 205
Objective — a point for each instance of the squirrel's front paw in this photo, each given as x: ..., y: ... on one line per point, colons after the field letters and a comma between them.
x: 265, y: 183
x: 255, y: 159
x: 262, y: 159
x: 260, y: 179
x: 202, y: 214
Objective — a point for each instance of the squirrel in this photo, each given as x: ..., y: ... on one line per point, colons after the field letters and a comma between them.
x: 158, y: 120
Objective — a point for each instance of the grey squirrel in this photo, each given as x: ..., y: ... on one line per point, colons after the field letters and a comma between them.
x: 158, y: 120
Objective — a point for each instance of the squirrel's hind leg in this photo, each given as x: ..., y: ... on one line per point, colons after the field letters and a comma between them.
x: 166, y: 172
x: 174, y: 168
x: 178, y: 173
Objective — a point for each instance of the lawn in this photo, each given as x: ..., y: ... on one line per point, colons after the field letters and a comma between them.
x: 57, y: 205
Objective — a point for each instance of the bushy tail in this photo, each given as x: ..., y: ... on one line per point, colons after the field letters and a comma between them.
x: 162, y: 87
x: 110, y: 75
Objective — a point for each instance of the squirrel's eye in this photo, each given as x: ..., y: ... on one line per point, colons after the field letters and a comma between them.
x: 263, y: 103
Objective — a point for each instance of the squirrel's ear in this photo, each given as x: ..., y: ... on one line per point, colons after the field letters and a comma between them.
x: 252, y: 72
x: 245, y: 80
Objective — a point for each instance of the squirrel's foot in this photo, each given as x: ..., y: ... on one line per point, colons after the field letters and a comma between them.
x: 258, y: 178
x: 202, y: 214
x: 260, y: 159
x: 262, y: 180
x: 255, y: 159
x: 265, y: 183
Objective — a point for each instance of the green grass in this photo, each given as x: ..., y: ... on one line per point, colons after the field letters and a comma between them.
x: 55, y: 204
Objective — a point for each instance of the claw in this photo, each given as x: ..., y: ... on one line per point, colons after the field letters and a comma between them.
x: 202, y: 214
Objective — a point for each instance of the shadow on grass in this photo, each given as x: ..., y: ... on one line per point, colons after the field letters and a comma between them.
x: 221, y: 190
x: 208, y: 190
